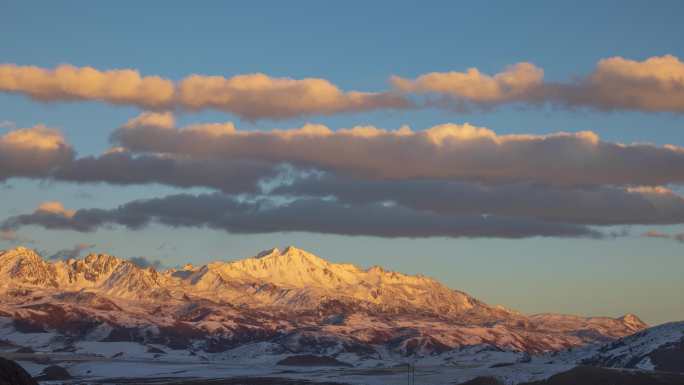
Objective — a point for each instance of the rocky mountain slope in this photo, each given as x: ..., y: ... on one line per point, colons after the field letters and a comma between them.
x: 278, y: 301
x: 658, y: 348
x: 653, y: 356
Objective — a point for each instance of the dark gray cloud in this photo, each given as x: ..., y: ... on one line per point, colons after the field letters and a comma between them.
x: 227, y: 213
x: 124, y: 168
x: 145, y: 262
x: 42, y: 153
x: 592, y: 205
x: 449, y: 152
x: 73, y: 252
x: 32, y: 152
x: 10, y: 236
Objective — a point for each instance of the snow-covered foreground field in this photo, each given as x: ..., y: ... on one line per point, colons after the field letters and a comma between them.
x: 103, y: 363
x: 119, y: 371
x: 258, y: 363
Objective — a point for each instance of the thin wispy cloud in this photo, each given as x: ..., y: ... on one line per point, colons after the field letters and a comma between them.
x: 12, y: 237
x: 145, y: 262
x: 679, y: 237
x: 70, y: 253
x: 7, y: 124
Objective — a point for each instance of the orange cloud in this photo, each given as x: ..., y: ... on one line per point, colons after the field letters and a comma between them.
x: 656, y: 234
x: 258, y: 95
x: 655, y: 84
x: 32, y: 151
x: 38, y: 137
x: 659, y: 234
x: 252, y: 96
x: 155, y: 119
x: 67, y: 82
x: 54, y: 207
x: 447, y: 151
x: 514, y: 83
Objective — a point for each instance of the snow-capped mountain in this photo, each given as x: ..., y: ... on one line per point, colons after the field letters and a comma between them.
x: 658, y: 348
x: 283, y: 301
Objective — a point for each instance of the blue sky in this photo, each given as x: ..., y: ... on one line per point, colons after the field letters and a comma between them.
x: 358, y: 46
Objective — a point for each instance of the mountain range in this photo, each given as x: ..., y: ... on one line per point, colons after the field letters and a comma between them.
x: 287, y: 301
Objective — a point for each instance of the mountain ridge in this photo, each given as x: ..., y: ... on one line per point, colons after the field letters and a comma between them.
x: 281, y: 293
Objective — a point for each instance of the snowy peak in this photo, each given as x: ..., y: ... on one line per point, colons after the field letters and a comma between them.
x: 20, y: 254
x: 297, y: 268
x: 268, y: 253
x: 93, y: 268
x: 25, y: 266
x: 112, y: 275
x: 292, y: 267
x: 291, y: 257
x: 633, y: 321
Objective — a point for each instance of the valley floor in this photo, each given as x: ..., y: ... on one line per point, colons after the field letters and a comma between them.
x: 132, y: 372
x: 98, y: 370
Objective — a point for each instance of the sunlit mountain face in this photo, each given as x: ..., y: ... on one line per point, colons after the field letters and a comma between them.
x: 480, y: 193
x: 273, y: 307
x: 291, y: 299
x: 292, y: 309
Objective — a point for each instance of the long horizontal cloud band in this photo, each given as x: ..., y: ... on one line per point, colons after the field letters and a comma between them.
x: 598, y: 205
x: 219, y: 156
x: 538, y: 200
x: 655, y: 84
x: 251, y: 96
x: 227, y: 213
x: 447, y: 151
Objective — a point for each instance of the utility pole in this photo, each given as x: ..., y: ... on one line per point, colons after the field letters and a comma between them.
x: 410, y: 374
